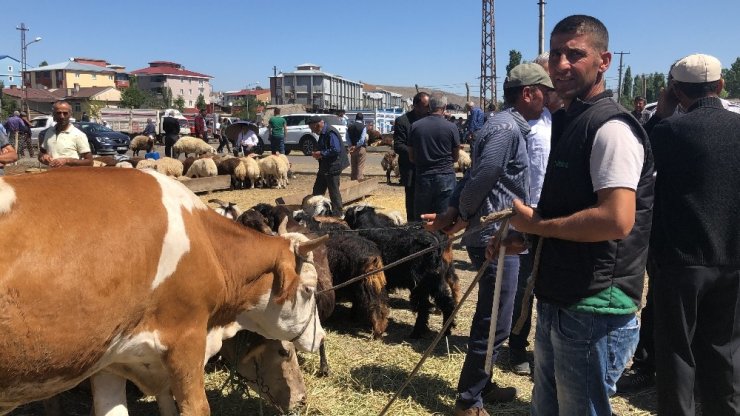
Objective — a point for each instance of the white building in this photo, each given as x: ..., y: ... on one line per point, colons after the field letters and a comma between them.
x: 316, y: 89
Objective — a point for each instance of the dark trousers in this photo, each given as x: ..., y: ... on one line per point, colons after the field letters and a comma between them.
x: 409, y: 192
x: 277, y: 144
x: 168, y: 143
x: 518, y: 343
x: 433, y: 193
x: 473, y: 377
x: 223, y: 141
x: 329, y: 181
x: 697, y: 339
x: 644, y: 358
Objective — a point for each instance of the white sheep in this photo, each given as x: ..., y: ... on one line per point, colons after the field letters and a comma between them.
x: 290, y: 166
x: 147, y: 164
x: 194, y: 145
x: 202, y: 168
x: 282, y: 166
x: 253, y: 170
x: 463, y: 162
x: 140, y: 143
x: 124, y: 164
x: 236, y: 168
x: 274, y: 170
x: 313, y: 205
x: 169, y: 166
x: 229, y: 210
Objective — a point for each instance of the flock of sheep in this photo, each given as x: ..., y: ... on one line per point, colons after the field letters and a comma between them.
x: 201, y: 161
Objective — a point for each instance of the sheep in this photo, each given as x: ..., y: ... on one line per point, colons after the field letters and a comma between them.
x: 229, y: 210
x: 253, y: 170
x: 313, y: 205
x: 188, y: 162
x: 202, y: 168
x: 289, y: 172
x: 390, y: 164
x: 146, y: 164
x: 274, y: 169
x: 124, y: 164
x: 236, y: 169
x: 463, y: 162
x: 253, y: 219
x: 169, y: 166
x: 430, y: 275
x: 139, y: 143
x: 135, y: 160
x: 188, y: 145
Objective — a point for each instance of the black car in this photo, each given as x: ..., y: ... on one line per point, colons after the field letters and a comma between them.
x: 103, y: 140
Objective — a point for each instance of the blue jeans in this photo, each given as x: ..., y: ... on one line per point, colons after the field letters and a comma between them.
x: 432, y: 193
x: 473, y: 377
x: 578, y: 359
x: 277, y: 144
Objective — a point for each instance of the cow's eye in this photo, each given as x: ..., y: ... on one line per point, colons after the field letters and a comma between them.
x: 284, y: 353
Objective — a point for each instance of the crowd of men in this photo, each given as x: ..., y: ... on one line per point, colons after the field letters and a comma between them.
x: 602, y: 194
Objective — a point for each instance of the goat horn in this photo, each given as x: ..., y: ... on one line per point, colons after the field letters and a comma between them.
x: 310, y: 245
x: 217, y: 201
x: 283, y: 227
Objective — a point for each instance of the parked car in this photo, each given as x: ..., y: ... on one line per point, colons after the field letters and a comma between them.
x: 298, y: 136
x: 103, y: 140
x: 41, y: 123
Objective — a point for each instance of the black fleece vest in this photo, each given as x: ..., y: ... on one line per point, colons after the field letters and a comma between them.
x: 354, y: 132
x: 571, y: 271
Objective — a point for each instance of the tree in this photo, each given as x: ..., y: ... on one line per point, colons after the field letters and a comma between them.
x: 655, y: 83
x: 248, y: 106
x: 200, y: 102
x: 515, y: 58
x: 179, y: 103
x: 167, y: 97
x: 627, y: 85
x: 44, y: 63
x: 132, y: 97
x: 732, y: 79
x: 637, y: 87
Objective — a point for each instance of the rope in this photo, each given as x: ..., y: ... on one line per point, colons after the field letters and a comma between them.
x: 495, y: 217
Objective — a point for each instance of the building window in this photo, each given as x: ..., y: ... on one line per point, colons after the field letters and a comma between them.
x: 110, y: 77
x: 200, y: 83
x: 201, y: 90
x: 77, y: 107
x: 77, y: 75
x: 181, y: 91
x: 94, y: 76
x: 190, y: 91
x: 10, y: 68
x: 190, y: 103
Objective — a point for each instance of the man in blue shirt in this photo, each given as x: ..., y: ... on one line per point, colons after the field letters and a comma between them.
x: 332, y: 157
x: 500, y: 174
x: 476, y: 118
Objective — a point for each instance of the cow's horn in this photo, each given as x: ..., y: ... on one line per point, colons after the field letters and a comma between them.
x: 310, y: 245
x: 283, y: 227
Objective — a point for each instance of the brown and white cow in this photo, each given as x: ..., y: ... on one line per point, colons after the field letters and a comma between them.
x: 95, y: 282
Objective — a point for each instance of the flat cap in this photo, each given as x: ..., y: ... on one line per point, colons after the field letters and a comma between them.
x: 314, y: 119
x: 697, y: 69
x: 527, y: 74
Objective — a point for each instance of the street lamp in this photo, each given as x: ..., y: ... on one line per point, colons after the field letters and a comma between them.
x: 24, y: 46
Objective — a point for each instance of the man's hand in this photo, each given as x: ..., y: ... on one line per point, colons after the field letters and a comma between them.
x: 351, y: 149
x: 316, y: 155
x: 45, y: 158
x: 525, y: 218
x: 513, y: 242
x: 667, y: 102
x: 449, y: 222
x: 57, y: 163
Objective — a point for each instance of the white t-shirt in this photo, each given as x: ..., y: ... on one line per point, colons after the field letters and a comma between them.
x: 71, y: 143
x: 616, y: 157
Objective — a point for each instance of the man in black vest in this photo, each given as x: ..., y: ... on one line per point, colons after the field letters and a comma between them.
x: 171, y: 128
x: 332, y: 157
x: 695, y: 243
x: 401, y: 134
x: 593, y: 219
x: 357, y: 133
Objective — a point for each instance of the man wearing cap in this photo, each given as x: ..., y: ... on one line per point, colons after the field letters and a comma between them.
x: 332, y: 157
x: 498, y: 175
x: 593, y: 219
x: 695, y: 243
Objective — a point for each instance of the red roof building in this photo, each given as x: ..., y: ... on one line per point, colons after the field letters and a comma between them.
x: 161, y: 75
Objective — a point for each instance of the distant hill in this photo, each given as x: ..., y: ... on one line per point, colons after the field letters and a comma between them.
x: 409, y: 92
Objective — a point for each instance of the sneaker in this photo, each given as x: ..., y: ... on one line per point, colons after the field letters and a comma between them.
x: 493, y: 394
x: 519, y: 363
x: 635, y: 380
x: 472, y: 411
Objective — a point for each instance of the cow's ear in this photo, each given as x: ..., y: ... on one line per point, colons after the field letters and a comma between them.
x: 306, y: 247
x: 285, y: 284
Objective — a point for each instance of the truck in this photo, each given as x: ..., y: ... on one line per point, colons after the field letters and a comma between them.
x: 132, y: 121
x: 381, y: 119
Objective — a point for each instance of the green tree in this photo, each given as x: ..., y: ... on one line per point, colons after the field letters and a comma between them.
x: 44, y: 63
x: 515, y: 58
x: 627, y: 86
x: 132, y: 97
x: 655, y: 83
x: 167, y: 97
x: 200, y: 102
x: 8, y: 106
x: 179, y: 103
x: 732, y: 79
x: 248, y: 106
x: 637, y: 87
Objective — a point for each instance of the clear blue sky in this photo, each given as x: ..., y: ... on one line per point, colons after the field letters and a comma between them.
x: 433, y: 43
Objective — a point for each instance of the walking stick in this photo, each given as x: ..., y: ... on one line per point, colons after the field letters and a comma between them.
x: 496, y: 297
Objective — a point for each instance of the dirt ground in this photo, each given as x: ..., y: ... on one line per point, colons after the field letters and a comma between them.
x: 366, y: 372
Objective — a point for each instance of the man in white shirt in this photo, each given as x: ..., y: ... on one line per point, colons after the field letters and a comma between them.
x: 64, y: 144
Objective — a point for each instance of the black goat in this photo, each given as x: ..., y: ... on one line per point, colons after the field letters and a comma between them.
x: 365, y: 216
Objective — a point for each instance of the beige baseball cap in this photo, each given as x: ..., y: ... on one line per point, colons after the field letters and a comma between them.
x: 697, y: 69
x: 527, y: 74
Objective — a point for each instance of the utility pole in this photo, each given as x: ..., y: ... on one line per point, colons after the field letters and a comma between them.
x: 274, y: 71
x: 417, y: 88
x: 487, y: 56
x: 619, y: 86
x: 24, y: 100
x: 542, y: 26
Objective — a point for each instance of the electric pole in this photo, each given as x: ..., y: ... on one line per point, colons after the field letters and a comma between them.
x: 542, y: 26
x: 619, y: 85
x: 487, y: 57
x: 467, y: 93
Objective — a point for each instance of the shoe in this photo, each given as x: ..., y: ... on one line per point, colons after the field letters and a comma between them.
x: 519, y: 363
x: 635, y: 380
x: 493, y: 394
x: 472, y: 411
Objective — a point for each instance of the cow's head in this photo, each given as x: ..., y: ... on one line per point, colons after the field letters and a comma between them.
x: 290, y: 312
x: 269, y: 367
